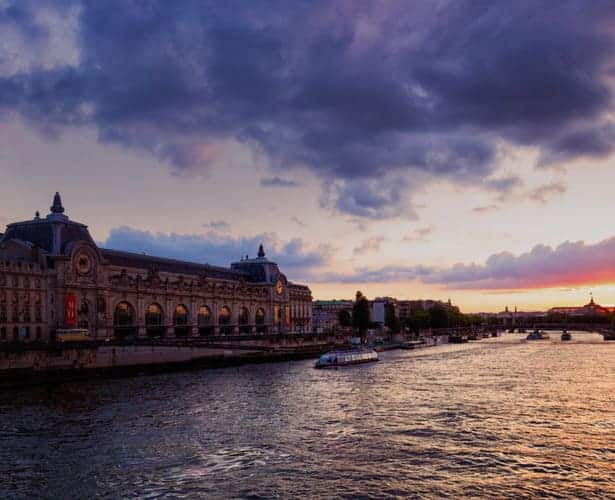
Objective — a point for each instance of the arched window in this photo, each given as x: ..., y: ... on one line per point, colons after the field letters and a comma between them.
x: 180, y: 320
x: 3, y: 333
x: 15, y: 333
x: 124, y: 320
x: 154, y: 321
x: 204, y: 320
x: 38, y: 333
x: 244, y: 320
x: 224, y: 320
x: 259, y: 319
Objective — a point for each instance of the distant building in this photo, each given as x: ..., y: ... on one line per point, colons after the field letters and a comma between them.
x: 508, y: 317
x: 590, y: 309
x: 54, y: 276
x: 325, y: 313
x: 405, y: 308
x: 379, y: 309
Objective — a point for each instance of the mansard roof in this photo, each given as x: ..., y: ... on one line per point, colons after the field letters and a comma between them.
x: 56, y: 234
x: 142, y: 261
x: 52, y: 234
x: 17, y: 250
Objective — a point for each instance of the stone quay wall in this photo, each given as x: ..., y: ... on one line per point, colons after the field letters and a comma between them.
x: 26, y: 364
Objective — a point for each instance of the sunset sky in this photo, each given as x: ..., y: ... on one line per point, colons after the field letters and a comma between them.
x: 415, y: 149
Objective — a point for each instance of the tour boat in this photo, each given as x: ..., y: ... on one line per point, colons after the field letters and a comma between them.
x: 344, y: 358
x: 566, y: 336
x: 537, y: 335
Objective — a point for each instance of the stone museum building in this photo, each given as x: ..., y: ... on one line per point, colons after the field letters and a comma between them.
x: 54, y: 277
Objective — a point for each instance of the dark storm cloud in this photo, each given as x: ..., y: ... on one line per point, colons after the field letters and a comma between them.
x: 503, y: 184
x: 361, y: 94
x: 21, y: 16
x: 294, y: 257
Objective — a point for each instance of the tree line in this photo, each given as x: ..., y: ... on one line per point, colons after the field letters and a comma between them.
x: 439, y: 315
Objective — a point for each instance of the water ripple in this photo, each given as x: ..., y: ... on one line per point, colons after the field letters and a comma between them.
x: 502, y: 418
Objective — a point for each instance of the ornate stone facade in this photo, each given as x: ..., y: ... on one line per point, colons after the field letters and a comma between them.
x: 53, y: 277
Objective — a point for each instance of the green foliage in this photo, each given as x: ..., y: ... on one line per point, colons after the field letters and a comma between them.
x: 391, y: 321
x: 361, y: 314
x: 473, y: 319
x: 344, y: 318
x: 439, y: 316
x: 418, y: 320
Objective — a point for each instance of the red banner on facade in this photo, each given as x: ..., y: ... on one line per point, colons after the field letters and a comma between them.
x: 70, y: 310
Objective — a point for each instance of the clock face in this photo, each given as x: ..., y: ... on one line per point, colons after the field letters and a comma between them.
x: 279, y: 287
x: 84, y: 264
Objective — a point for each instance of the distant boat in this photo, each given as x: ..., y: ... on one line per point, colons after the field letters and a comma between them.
x: 412, y: 344
x: 537, y: 335
x: 334, y: 359
x: 566, y: 336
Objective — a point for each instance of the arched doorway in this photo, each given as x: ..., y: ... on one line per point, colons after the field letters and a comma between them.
x: 154, y: 321
x: 224, y: 320
x: 204, y: 320
x: 180, y: 320
x: 124, y: 324
x: 244, y: 320
x: 259, y: 319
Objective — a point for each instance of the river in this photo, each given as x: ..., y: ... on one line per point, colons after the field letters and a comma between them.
x: 497, y: 418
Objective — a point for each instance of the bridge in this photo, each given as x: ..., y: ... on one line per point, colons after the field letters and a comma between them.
x: 606, y: 330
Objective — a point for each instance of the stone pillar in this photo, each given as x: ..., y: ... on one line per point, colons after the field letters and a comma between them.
x: 141, y: 332
x: 109, y: 304
x: 194, y: 318
x: 234, y: 313
x: 169, y: 311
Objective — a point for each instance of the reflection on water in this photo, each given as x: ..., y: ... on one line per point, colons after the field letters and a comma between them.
x: 502, y: 417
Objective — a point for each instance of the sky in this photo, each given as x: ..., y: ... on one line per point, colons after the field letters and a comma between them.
x: 436, y: 149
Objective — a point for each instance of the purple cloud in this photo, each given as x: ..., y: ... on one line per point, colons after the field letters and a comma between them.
x: 425, y: 93
x: 418, y: 235
x: 278, y: 182
x: 369, y: 245
x: 568, y: 264
x: 542, y: 193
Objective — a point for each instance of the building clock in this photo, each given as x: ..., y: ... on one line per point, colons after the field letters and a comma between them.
x: 84, y: 264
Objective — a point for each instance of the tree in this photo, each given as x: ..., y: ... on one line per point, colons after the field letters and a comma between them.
x: 391, y: 321
x: 361, y: 315
x: 439, y: 316
x: 344, y: 318
x: 418, y: 320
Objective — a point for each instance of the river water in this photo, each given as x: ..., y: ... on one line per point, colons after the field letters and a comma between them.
x: 497, y: 418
